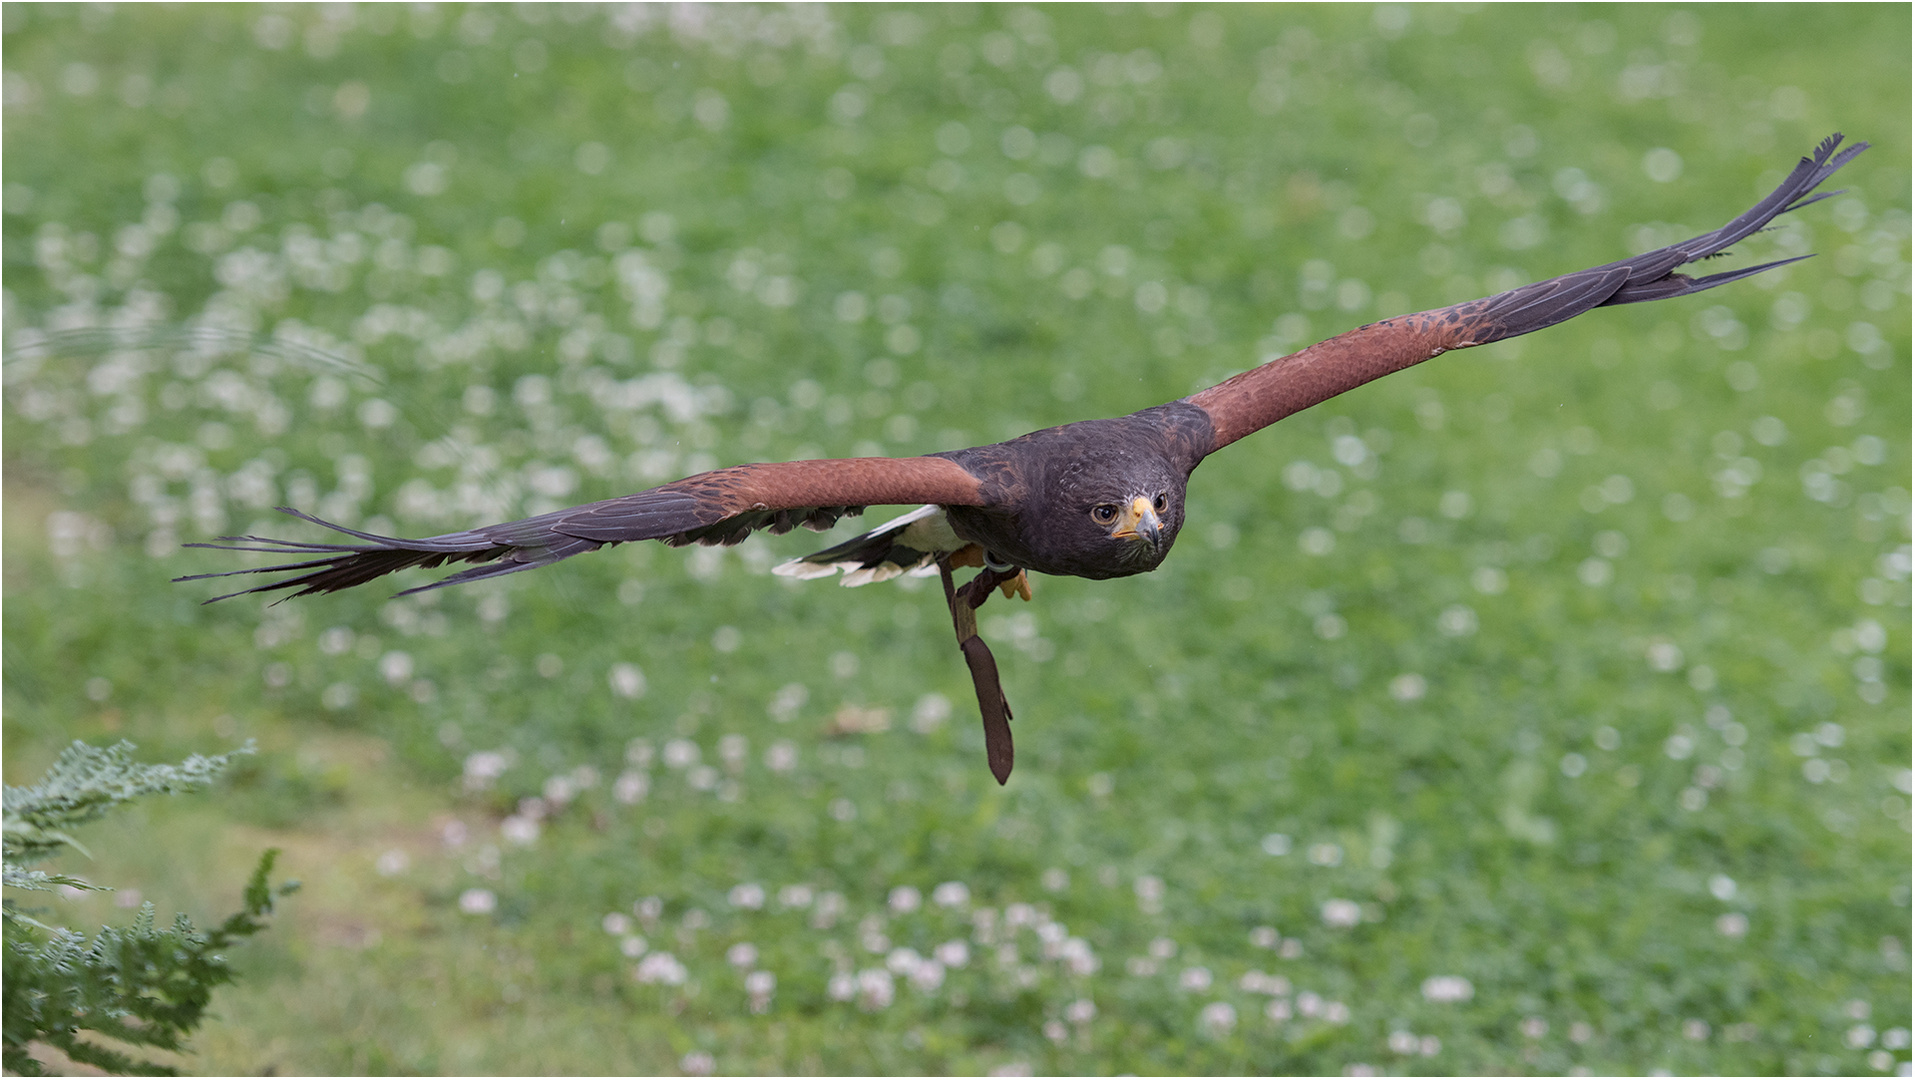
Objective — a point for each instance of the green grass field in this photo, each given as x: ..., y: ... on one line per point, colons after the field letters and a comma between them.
x: 1544, y: 708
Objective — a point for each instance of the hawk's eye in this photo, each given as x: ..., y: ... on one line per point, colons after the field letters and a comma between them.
x: 1103, y: 514
x: 1163, y: 503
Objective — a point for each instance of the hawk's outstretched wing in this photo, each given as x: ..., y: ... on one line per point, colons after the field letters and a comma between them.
x: 1262, y: 396
x: 721, y: 507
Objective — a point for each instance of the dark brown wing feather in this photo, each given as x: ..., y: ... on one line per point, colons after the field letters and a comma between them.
x: 721, y: 507
x: 1262, y: 396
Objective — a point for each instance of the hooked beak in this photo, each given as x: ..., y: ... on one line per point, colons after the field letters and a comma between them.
x: 1138, y: 521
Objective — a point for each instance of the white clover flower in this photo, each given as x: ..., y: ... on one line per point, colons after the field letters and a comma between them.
x: 1218, y: 1018
x: 1342, y: 914
x: 680, y: 753
x: 661, y: 967
x: 876, y: 988
x: 630, y: 787
x: 842, y: 987
x: 1445, y: 989
x: 927, y: 975
x: 523, y: 831
x: 1078, y: 957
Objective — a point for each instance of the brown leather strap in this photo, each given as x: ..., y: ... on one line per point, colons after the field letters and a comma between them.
x: 991, y: 703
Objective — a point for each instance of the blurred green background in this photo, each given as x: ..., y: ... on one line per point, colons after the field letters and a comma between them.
x: 1542, y: 708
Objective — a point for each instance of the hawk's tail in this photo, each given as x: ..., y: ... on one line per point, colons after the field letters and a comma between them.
x: 908, y: 545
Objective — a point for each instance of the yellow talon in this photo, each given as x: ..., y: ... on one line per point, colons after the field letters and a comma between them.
x: 1019, y: 586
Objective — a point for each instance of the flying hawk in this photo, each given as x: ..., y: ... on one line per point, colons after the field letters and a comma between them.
x: 1094, y: 499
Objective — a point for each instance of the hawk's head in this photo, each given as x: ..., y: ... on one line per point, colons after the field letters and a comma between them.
x: 1109, y: 514
x: 1094, y: 499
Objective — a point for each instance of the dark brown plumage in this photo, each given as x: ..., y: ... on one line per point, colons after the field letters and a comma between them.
x: 1094, y: 499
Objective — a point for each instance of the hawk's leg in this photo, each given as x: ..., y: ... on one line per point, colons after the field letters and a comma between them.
x: 991, y: 702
